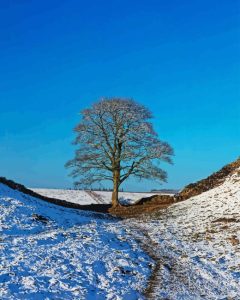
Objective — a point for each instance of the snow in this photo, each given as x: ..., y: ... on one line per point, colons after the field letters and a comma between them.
x: 90, y: 197
x: 196, y: 250
x: 74, y: 196
x: 51, y: 252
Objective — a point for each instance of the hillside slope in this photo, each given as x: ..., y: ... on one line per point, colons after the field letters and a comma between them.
x: 210, y: 182
x: 52, y: 252
x: 52, y: 197
x: 197, y: 244
x: 159, y: 202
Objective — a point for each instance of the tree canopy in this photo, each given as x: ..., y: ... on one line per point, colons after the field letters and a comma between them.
x: 115, y: 140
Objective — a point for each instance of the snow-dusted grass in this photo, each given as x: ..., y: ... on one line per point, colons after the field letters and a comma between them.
x: 69, y: 254
x: 84, y: 197
x: 74, y: 196
x: 198, y: 245
x: 51, y: 252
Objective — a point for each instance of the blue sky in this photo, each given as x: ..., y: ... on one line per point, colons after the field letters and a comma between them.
x: 179, y: 58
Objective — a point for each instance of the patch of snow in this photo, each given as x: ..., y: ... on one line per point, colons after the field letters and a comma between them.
x: 198, y: 248
x: 91, y: 197
x: 51, y: 252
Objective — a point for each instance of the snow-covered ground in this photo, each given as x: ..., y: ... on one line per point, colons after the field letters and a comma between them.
x: 51, y: 252
x: 197, y: 244
x: 90, y: 197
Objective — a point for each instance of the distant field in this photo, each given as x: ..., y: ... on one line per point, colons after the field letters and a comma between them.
x: 90, y: 197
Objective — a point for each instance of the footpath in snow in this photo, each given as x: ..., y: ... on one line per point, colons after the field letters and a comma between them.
x: 197, y: 245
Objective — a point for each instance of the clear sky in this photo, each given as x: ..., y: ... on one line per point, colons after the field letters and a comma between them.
x: 180, y: 58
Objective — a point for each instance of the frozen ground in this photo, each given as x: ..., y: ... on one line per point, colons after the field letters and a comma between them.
x: 197, y: 245
x: 50, y: 252
x: 90, y: 197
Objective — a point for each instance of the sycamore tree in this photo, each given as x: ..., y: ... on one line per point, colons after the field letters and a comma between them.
x: 115, y: 140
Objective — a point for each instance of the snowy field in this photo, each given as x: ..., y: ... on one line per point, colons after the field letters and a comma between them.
x: 197, y: 244
x: 90, y: 197
x: 50, y: 252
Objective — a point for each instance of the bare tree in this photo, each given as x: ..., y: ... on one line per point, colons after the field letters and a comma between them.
x: 116, y: 140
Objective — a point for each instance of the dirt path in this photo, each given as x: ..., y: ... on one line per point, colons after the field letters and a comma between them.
x: 164, y: 263
x: 149, y: 247
x: 169, y: 273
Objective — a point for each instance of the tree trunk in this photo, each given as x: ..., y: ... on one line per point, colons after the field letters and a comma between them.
x: 116, y: 179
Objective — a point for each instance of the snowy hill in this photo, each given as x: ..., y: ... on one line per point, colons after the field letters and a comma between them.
x: 190, y: 250
x: 90, y: 197
x: 197, y: 245
x: 51, y: 252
